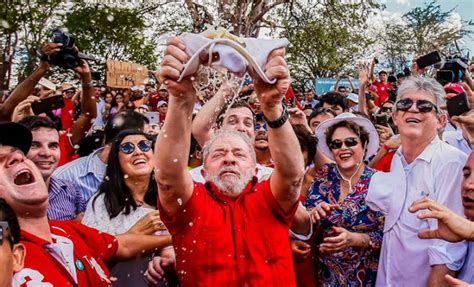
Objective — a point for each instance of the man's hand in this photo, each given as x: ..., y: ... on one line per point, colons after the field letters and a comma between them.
x: 321, y: 210
x: 172, y: 66
x: 451, y: 227
x: 300, y: 249
x: 363, y: 74
x: 50, y: 49
x: 415, y: 70
x: 148, y: 224
x: 341, y: 241
x: 467, y: 124
x: 297, y: 117
x: 83, y: 70
x: 454, y: 282
x: 270, y: 95
x: 23, y: 109
x: 157, y: 268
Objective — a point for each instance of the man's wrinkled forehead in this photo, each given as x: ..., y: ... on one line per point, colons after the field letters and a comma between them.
x: 240, y: 113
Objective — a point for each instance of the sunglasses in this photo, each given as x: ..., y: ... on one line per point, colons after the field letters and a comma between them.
x: 3, y: 232
x: 349, y: 142
x: 259, y: 126
x: 423, y: 106
x: 129, y: 147
x: 385, y: 110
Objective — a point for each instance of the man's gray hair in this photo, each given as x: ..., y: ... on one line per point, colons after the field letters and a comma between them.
x: 228, y: 134
x: 430, y: 85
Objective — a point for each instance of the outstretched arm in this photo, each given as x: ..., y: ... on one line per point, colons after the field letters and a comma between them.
x: 25, y: 88
x: 288, y: 174
x: 88, y: 104
x: 205, y: 119
x: 174, y: 181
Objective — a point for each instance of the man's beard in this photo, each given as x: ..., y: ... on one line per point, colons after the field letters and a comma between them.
x: 231, y: 185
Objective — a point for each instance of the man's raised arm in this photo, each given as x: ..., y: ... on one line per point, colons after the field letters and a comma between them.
x: 288, y: 174
x: 171, y: 151
x: 26, y: 88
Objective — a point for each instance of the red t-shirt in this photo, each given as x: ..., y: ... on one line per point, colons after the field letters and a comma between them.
x: 382, y: 91
x: 90, y: 248
x: 67, y: 114
x: 221, y: 241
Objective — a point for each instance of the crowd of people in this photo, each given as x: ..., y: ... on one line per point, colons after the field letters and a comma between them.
x: 256, y: 186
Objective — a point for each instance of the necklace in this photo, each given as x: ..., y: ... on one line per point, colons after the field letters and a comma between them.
x: 349, y: 180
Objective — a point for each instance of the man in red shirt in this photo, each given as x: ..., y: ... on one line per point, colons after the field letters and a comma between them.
x: 233, y: 230
x: 382, y: 88
x: 58, y: 253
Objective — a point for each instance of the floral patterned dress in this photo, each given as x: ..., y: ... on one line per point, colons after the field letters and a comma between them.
x: 352, y: 266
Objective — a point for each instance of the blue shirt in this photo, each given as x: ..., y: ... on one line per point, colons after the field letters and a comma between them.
x: 65, y: 200
x: 86, y: 172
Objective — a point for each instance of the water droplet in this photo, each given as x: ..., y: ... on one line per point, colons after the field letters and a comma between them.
x: 191, y: 223
x: 175, y: 160
x: 110, y: 18
x: 230, y: 255
x: 183, y: 248
x: 194, y: 241
x: 76, y: 146
x: 165, y: 135
x: 109, y: 246
x: 125, y: 176
x: 180, y: 201
x: 107, y: 178
x: 193, y: 78
x: 97, y: 139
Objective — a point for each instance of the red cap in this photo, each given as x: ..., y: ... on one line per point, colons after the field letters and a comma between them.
x: 453, y: 88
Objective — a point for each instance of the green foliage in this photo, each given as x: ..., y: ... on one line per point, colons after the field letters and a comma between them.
x: 325, y: 37
x: 111, y: 33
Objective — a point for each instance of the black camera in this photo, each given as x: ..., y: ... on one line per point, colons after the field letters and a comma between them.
x: 452, y: 70
x: 68, y: 57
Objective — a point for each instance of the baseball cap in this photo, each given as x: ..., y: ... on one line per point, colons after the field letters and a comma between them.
x: 15, y: 135
x: 353, y: 97
x: 161, y: 103
x: 453, y: 88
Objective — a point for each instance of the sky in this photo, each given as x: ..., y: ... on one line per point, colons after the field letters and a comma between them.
x: 464, y: 8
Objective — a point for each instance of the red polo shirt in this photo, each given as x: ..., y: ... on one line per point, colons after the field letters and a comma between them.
x: 221, y: 241
x: 82, y: 248
x: 382, y: 91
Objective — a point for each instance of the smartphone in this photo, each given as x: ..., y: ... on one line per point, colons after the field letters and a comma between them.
x: 96, y: 76
x: 458, y: 105
x: 154, y: 117
x: 48, y: 104
x: 382, y: 120
x: 428, y: 59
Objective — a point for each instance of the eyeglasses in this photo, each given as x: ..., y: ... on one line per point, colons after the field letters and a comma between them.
x: 3, y: 232
x: 385, y: 110
x: 423, y: 106
x: 259, y: 126
x: 349, y: 142
x: 129, y: 147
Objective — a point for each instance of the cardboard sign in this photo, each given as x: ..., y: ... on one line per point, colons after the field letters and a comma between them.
x: 125, y: 74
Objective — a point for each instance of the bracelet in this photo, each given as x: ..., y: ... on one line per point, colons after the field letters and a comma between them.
x: 88, y: 85
x: 280, y: 121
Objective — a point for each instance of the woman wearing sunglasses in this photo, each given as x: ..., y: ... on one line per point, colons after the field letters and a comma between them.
x: 350, y: 233
x: 126, y: 201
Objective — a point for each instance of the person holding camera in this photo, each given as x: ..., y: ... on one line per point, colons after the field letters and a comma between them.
x: 88, y: 108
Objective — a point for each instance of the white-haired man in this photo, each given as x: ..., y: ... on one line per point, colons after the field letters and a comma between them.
x: 232, y: 231
x: 424, y: 166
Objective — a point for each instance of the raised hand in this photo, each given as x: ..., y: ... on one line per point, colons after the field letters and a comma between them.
x: 270, y: 95
x: 451, y: 227
x: 23, y: 109
x: 171, y: 67
x: 148, y: 224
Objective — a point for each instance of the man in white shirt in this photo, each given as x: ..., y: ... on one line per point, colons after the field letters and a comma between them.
x: 424, y: 166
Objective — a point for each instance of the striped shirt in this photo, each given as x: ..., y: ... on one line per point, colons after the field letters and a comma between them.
x: 65, y: 201
x: 86, y: 172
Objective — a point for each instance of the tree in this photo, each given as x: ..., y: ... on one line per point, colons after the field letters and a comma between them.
x: 111, y: 33
x: 25, y: 28
x: 420, y: 31
x: 325, y: 36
